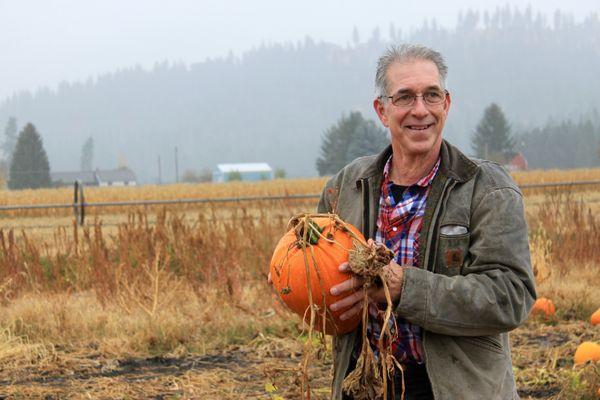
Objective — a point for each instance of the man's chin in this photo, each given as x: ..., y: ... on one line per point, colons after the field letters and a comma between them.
x: 423, y: 146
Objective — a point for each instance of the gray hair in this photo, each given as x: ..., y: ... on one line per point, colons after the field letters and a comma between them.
x: 404, y: 53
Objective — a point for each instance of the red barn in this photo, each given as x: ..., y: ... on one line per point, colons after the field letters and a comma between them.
x: 518, y: 163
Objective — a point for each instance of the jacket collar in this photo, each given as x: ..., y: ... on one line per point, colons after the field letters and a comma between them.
x: 454, y: 164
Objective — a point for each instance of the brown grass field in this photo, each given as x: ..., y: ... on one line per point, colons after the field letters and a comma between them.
x: 173, y: 304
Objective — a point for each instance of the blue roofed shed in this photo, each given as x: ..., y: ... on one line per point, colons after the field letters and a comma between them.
x: 242, y: 171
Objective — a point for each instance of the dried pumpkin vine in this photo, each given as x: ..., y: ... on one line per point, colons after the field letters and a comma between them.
x: 369, y: 380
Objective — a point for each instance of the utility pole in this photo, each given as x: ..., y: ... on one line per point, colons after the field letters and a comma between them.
x: 176, y: 166
x: 159, y: 172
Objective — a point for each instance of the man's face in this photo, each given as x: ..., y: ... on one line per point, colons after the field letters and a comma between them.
x: 415, y: 130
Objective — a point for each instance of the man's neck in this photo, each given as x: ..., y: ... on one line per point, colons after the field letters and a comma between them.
x: 408, y: 169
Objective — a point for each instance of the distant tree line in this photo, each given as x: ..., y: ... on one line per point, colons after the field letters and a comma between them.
x: 24, y: 162
x: 562, y: 144
x: 556, y: 145
x: 285, y: 95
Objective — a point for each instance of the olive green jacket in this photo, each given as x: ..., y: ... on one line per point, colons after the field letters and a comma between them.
x: 473, y: 288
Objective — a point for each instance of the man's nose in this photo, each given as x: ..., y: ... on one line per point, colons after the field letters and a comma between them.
x: 419, y: 109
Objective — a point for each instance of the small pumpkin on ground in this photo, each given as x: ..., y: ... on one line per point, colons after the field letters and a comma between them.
x: 587, y: 351
x: 545, y: 307
x: 595, y: 319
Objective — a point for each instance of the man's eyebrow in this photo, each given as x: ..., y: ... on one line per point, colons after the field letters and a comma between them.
x: 401, y: 91
x: 432, y: 87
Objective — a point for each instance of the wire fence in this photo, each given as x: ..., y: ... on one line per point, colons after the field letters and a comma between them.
x: 80, y: 206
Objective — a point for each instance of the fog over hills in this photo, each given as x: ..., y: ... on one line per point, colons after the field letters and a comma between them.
x: 274, y: 102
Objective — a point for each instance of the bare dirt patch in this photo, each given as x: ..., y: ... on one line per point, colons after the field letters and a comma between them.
x: 251, y: 372
x: 264, y: 369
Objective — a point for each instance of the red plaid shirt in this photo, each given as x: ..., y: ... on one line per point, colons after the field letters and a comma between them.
x: 398, y: 226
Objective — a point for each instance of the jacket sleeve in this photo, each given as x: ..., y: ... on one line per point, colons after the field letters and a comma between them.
x: 324, y: 206
x: 495, y: 291
x: 330, y: 193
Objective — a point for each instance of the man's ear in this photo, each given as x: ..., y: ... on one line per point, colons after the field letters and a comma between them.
x: 379, y: 106
x: 447, y: 103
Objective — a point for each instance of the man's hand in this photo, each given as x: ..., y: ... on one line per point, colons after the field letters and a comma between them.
x: 269, y: 279
x: 354, y: 299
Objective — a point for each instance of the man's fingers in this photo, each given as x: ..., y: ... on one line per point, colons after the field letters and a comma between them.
x: 352, y: 312
x: 269, y: 279
x: 348, y: 285
x: 347, y: 301
x: 344, y: 267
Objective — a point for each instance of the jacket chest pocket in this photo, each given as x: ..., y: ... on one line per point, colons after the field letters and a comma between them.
x: 452, y: 249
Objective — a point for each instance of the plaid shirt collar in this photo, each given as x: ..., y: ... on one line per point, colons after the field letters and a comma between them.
x: 423, y: 182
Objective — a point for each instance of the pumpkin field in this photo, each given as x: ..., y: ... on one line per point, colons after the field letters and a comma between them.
x: 156, y: 302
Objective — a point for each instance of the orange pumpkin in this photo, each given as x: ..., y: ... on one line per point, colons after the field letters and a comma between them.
x: 595, y: 318
x: 323, y: 256
x: 587, y: 351
x: 544, y: 306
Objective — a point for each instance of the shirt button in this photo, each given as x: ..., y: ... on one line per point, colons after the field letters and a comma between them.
x: 395, y: 228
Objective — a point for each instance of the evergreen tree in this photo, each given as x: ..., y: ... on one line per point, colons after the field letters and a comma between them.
x: 492, y: 139
x: 562, y: 144
x: 87, y: 155
x: 29, y: 168
x: 10, y: 139
x: 368, y: 139
x: 351, y: 137
x: 280, y: 173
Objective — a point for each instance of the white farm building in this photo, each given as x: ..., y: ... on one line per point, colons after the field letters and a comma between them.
x: 112, y: 177
x: 243, y: 172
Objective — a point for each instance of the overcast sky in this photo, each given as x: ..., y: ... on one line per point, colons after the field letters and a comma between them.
x: 43, y: 42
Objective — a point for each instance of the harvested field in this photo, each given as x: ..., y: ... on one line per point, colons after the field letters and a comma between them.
x: 267, y: 367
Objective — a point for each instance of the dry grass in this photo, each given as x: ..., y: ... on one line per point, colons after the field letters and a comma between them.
x: 556, y: 175
x: 152, y: 192
x: 164, y: 192
x: 176, y: 305
x: 189, y: 323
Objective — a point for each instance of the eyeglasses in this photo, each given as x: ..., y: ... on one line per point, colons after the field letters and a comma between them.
x: 431, y: 97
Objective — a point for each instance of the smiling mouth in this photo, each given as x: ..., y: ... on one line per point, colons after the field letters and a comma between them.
x: 419, y: 127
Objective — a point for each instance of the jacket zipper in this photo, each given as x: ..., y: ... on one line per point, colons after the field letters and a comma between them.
x: 366, y: 206
x: 441, y: 204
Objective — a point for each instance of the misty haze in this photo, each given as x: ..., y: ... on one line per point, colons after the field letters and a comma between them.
x: 274, y: 102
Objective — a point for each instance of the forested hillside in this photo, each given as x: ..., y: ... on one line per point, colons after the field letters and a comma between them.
x: 274, y: 102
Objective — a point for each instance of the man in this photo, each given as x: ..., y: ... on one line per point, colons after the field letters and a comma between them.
x: 462, y: 277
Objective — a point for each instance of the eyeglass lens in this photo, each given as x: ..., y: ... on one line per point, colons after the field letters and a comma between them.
x: 430, y: 97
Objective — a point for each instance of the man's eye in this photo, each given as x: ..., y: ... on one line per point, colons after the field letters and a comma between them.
x: 433, y: 96
x: 403, y: 98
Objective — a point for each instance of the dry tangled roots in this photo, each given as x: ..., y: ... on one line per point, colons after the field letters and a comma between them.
x: 369, y: 380
x: 368, y: 261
